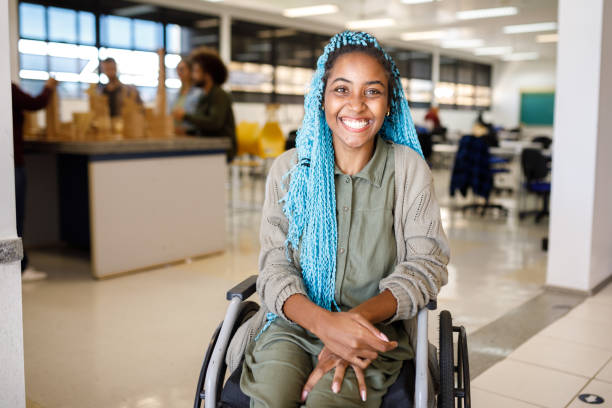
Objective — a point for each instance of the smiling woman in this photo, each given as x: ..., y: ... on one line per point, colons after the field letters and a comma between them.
x: 337, y: 279
x: 356, y: 102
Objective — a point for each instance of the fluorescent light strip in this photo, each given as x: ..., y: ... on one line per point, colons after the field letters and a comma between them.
x: 486, y: 13
x: 311, y: 11
x: 493, y: 51
x: 547, y: 38
x: 521, y: 56
x: 417, y: 1
x: 375, y: 23
x: 463, y: 43
x: 529, y: 28
x: 422, y: 35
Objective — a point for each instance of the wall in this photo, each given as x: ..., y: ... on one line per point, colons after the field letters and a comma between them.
x: 12, y: 382
x: 509, y: 78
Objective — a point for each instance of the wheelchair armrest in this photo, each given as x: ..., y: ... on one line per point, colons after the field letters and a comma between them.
x: 432, y: 305
x: 244, y: 289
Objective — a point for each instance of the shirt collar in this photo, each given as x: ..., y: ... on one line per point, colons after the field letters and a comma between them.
x: 374, y: 169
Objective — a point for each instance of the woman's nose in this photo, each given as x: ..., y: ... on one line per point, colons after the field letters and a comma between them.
x: 357, y: 101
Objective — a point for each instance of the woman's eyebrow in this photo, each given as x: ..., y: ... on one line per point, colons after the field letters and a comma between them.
x: 375, y: 82
x: 341, y: 79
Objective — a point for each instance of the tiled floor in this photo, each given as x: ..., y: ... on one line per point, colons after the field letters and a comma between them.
x: 569, y: 358
x: 137, y: 341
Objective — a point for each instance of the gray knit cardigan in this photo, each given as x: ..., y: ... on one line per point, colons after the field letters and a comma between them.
x: 422, y: 252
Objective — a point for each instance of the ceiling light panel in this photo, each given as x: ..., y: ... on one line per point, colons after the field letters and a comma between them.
x: 521, y: 56
x: 493, y: 51
x: 547, y: 38
x: 422, y: 35
x: 417, y: 1
x: 487, y: 13
x: 530, y: 28
x: 318, y: 10
x: 374, y: 23
x: 473, y: 43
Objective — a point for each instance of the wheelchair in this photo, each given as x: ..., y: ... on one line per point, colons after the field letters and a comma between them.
x: 453, y: 389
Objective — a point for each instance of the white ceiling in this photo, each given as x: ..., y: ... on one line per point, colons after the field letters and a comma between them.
x: 438, y: 15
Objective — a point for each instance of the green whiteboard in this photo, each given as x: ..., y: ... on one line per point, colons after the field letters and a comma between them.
x: 537, y: 108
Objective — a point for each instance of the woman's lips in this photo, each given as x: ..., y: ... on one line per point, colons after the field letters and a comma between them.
x: 355, y: 125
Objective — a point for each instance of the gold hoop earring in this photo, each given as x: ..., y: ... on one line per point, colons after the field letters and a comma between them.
x: 388, y: 113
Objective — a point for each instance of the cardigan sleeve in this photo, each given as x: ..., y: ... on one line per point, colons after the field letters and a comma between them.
x: 420, y: 274
x: 279, y: 276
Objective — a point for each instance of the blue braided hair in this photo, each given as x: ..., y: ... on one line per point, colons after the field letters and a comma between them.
x: 310, y: 203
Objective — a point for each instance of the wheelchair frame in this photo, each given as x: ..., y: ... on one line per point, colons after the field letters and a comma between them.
x: 210, y: 381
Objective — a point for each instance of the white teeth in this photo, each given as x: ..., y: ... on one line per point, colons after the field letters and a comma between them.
x: 355, y: 124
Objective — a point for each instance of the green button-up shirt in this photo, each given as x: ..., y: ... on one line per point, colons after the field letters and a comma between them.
x: 366, y: 250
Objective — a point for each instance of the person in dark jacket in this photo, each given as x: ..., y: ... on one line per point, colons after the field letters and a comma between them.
x: 213, y: 116
x: 114, y: 89
x: 22, y: 102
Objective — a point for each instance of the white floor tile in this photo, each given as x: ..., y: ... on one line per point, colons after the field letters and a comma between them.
x: 587, y: 332
x: 484, y: 399
x: 562, y: 355
x: 606, y: 373
x: 536, y: 385
x: 605, y: 295
x: 599, y: 388
x: 593, y: 309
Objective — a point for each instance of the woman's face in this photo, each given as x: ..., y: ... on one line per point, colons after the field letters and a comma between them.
x: 183, y: 72
x: 197, y: 74
x: 356, y: 100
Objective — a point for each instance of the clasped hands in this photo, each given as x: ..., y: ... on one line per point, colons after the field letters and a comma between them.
x: 349, y: 340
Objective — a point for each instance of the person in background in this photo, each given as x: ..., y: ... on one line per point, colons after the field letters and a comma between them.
x: 432, y: 119
x: 23, y: 102
x: 114, y: 89
x: 485, y: 130
x: 213, y: 115
x: 188, y: 96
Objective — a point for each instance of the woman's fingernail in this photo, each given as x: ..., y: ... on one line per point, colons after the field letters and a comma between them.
x: 382, y: 336
x: 335, y: 388
x: 304, y: 395
x: 363, y: 396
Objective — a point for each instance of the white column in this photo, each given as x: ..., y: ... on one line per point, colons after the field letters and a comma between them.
x: 13, y: 39
x: 225, y: 38
x: 580, y: 250
x: 435, y: 75
x: 12, y: 383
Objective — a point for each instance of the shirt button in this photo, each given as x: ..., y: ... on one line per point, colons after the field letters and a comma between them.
x: 341, y: 250
x: 347, y: 179
x: 345, y: 208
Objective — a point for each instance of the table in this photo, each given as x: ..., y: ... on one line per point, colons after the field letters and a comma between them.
x: 134, y: 204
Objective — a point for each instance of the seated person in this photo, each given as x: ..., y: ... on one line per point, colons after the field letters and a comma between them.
x: 213, y: 115
x: 352, y: 243
x: 114, y: 89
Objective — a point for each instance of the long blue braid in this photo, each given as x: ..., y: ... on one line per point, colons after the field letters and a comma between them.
x: 310, y: 203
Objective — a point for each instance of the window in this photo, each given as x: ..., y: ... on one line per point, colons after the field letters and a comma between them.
x: 463, y: 84
x: 59, y: 41
x: 415, y: 70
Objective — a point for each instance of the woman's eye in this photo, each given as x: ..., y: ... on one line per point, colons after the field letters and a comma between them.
x: 373, y: 92
x: 341, y: 89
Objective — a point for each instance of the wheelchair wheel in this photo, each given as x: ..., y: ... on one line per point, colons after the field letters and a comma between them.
x: 446, y: 396
x: 247, y: 310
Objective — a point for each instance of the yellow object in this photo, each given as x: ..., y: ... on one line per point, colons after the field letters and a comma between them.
x: 246, y: 138
x: 271, y: 141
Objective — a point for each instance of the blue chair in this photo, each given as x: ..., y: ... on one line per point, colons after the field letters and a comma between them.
x: 535, y: 168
